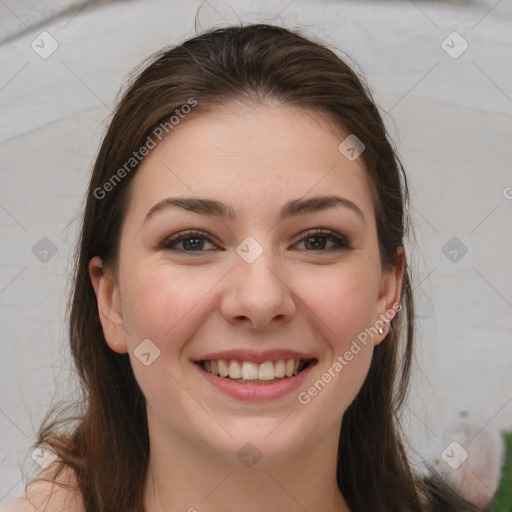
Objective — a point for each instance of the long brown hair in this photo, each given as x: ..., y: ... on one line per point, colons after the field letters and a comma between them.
x: 108, y: 448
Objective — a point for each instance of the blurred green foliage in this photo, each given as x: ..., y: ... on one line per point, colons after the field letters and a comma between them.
x: 503, y: 500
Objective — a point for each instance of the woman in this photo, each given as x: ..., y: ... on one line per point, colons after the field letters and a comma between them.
x: 242, y: 312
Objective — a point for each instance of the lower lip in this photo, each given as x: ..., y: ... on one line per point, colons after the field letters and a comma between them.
x: 257, y: 392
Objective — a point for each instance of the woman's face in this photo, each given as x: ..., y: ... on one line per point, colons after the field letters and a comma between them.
x: 258, y: 283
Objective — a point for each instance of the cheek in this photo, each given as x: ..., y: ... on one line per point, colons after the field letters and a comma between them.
x: 159, y: 301
x: 344, y: 307
x: 163, y: 304
x: 344, y: 299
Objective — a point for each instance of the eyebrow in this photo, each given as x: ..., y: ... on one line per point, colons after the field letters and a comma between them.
x: 292, y: 208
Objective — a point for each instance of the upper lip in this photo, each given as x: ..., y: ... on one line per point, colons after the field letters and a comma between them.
x: 254, y: 355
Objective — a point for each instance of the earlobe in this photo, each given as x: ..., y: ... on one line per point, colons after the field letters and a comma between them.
x: 107, y: 296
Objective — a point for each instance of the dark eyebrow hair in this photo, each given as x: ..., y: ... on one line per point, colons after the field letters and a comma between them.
x: 292, y: 208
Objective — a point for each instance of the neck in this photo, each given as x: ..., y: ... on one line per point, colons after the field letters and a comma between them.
x: 184, y: 475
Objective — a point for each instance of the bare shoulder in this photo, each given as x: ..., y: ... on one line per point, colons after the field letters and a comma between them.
x: 42, y: 496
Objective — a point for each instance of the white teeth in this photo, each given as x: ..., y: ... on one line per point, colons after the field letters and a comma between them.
x: 289, y: 367
x: 247, y: 370
x: 235, y: 372
x: 223, y: 368
x: 279, y: 369
x: 266, y: 371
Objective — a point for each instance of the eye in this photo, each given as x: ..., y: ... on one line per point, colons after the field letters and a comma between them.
x: 319, y: 237
x: 193, y: 241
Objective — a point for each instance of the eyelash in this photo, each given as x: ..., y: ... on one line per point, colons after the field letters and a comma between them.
x: 341, y: 242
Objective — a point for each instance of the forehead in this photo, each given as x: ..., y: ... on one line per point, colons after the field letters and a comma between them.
x: 253, y: 156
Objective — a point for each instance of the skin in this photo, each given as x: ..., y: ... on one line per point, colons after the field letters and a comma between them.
x: 292, y: 296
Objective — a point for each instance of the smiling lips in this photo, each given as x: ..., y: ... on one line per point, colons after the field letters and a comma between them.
x: 255, y: 367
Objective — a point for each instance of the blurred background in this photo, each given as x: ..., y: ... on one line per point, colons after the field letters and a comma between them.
x: 440, y: 72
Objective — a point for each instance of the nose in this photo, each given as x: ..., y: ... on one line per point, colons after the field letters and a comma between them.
x: 257, y: 294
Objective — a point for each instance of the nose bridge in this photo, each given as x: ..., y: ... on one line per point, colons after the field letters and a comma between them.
x: 257, y: 290
x: 260, y: 273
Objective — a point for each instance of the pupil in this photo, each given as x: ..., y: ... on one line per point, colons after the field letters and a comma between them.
x: 322, y: 243
x: 193, y: 246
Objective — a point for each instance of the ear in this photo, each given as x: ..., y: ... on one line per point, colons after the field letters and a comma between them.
x: 388, y: 303
x: 109, y: 305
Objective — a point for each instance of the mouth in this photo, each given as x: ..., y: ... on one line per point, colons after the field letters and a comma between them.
x: 249, y: 372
